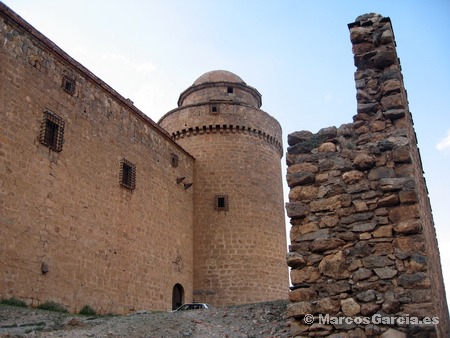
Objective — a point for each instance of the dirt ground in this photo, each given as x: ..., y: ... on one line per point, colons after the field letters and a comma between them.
x: 252, y: 320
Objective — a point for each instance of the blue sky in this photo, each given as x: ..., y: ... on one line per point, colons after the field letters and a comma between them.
x: 296, y: 53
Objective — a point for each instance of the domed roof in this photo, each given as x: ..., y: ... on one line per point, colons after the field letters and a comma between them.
x: 218, y: 76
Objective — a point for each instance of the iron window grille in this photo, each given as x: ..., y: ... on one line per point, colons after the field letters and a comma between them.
x: 221, y: 202
x: 68, y: 85
x: 174, y: 160
x: 127, y: 174
x: 52, y: 131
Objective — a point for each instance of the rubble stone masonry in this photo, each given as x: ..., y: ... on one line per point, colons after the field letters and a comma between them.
x: 362, y: 236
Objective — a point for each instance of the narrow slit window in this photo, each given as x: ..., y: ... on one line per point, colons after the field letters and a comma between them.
x: 52, y: 131
x: 221, y: 202
x: 127, y: 174
x: 174, y: 160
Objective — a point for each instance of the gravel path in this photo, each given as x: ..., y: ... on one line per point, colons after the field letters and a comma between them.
x: 267, y: 319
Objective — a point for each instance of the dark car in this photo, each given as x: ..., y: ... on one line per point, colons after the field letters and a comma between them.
x: 192, y: 306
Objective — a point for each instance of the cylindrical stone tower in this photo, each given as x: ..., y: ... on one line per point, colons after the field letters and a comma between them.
x: 239, y: 228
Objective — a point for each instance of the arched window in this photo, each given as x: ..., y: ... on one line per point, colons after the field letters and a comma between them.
x: 177, y: 296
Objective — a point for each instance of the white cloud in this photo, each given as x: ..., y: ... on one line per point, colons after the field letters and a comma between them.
x: 444, y: 144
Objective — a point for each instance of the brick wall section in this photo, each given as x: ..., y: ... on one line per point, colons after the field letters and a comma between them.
x: 103, y: 245
x: 362, y: 235
x: 239, y: 254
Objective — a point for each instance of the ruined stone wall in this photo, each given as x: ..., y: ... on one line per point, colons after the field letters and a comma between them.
x: 362, y: 237
x: 70, y: 232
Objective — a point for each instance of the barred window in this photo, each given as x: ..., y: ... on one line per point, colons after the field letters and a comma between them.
x: 221, y: 202
x: 68, y: 84
x: 52, y: 131
x: 127, y: 174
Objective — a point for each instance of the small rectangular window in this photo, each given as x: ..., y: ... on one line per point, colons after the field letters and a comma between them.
x: 214, y: 109
x: 68, y: 84
x: 127, y: 174
x: 52, y: 131
x: 221, y: 202
x: 230, y: 90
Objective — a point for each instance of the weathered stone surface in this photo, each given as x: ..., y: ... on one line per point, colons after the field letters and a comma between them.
x: 403, y: 213
x: 390, y: 86
x: 328, y: 221
x: 357, y: 217
x: 383, y: 231
x: 357, y: 34
x: 394, y: 184
x: 363, y: 162
x: 350, y: 307
x: 327, y: 147
x: 299, y: 136
x: 376, y: 261
x: 411, y: 226
x: 409, y: 280
x: 354, y: 176
x: 360, y: 206
x: 326, y: 204
x: 302, y: 167
x: 385, y: 273
x: 328, y: 306
x: 366, y: 296
x: 295, y: 260
x: 391, y: 333
x: 381, y: 172
x: 302, y: 193
x: 384, y: 59
x: 391, y: 306
x: 394, y: 101
x: 361, y: 249
x: 337, y: 287
x: 299, y: 309
x: 408, y: 197
x: 394, y: 114
x: 302, y: 294
x: 402, y: 155
x: 320, y: 245
x: 308, y: 274
x: 362, y: 274
x: 306, y: 228
x: 297, y: 209
x: 300, y: 178
x: 388, y: 200
x: 368, y: 309
x: 409, y: 244
x: 320, y: 233
x: 327, y: 133
x: 358, y: 187
x: 364, y: 227
x: 335, y: 266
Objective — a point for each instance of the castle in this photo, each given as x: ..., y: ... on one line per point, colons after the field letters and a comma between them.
x: 102, y: 206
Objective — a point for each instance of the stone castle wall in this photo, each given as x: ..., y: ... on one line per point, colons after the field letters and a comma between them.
x: 70, y: 232
x: 239, y: 252
x: 362, y: 235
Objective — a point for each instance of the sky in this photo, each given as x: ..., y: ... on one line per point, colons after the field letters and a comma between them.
x: 296, y: 53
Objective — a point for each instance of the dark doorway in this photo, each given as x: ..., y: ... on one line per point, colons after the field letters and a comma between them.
x: 177, y: 296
